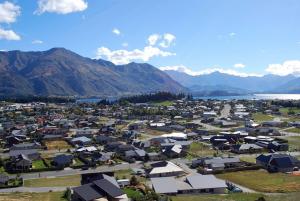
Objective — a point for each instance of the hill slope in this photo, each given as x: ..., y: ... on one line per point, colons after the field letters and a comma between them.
x: 61, y: 72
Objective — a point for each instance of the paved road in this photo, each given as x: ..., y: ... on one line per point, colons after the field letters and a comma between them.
x: 34, y: 190
x: 207, y: 126
x: 67, y: 172
x: 182, y: 162
x: 288, y: 134
x: 225, y: 112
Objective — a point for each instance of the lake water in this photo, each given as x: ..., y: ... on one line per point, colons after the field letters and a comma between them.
x: 255, y: 97
x: 243, y: 97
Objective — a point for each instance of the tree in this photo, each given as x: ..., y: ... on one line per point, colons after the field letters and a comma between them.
x: 68, y: 194
x: 134, y: 181
x: 261, y: 199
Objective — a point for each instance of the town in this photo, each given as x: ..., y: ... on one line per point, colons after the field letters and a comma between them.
x: 140, y: 148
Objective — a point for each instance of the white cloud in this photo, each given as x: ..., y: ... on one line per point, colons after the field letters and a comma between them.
x: 125, y: 56
x: 61, y: 6
x: 167, y: 40
x: 9, y: 35
x: 239, y: 65
x: 125, y: 44
x: 232, y: 34
x: 184, y: 69
x: 152, y: 39
x: 37, y: 42
x: 9, y: 12
x: 116, y: 31
x: 288, y: 67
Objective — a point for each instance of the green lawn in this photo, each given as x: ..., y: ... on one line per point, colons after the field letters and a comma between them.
x: 238, y: 197
x: 50, y: 196
x: 200, y: 149
x: 163, y: 103
x: 127, y: 174
x: 249, y: 159
x: 262, y: 181
x: 131, y: 193
x: 72, y: 180
x: 293, y: 130
x: 259, y: 117
x: 123, y: 174
x: 38, y: 164
x: 294, y: 143
x: 285, y: 110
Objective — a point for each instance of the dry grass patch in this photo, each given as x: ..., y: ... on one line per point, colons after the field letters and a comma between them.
x: 154, y: 132
x: 57, y: 144
x: 72, y: 180
x: 50, y: 196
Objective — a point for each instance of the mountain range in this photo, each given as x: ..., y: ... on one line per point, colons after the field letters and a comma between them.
x: 226, y: 84
x: 60, y: 72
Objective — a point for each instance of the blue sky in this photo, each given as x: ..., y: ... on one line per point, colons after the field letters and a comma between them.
x: 195, y: 36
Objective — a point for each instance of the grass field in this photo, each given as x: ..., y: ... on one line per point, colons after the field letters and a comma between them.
x: 131, y: 193
x: 51, y: 196
x: 294, y: 143
x: 57, y: 144
x: 285, y: 110
x: 262, y: 181
x: 38, y: 164
x: 259, y: 117
x: 123, y: 174
x: 200, y: 149
x: 72, y: 180
x: 293, y: 130
x: 153, y: 132
x: 163, y: 103
x: 238, y: 197
x: 249, y: 159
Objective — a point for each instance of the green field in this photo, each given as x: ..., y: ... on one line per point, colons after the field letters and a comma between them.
x: 50, y: 196
x: 38, y: 164
x: 294, y: 143
x: 72, y: 180
x: 200, y: 149
x: 262, y: 181
x: 293, y: 130
x: 238, y: 197
x: 131, y: 193
x: 163, y: 103
x: 249, y: 159
x: 260, y: 117
x: 123, y: 174
x: 285, y: 110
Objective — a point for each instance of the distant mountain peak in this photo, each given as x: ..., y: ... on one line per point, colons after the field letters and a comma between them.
x: 59, y: 71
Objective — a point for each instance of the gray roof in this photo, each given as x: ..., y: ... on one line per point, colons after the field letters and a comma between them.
x: 222, y: 160
x: 164, y: 185
x: 249, y: 146
x: 198, y: 181
x: 88, y: 192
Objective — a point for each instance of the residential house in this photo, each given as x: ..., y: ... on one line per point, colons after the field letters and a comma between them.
x: 195, y: 183
x: 102, y: 189
x: 62, y: 160
x: 246, y: 148
x: 21, y: 163
x: 216, y: 163
x: 4, y: 179
x: 81, y: 141
x: 278, y: 162
x: 24, y: 146
x: 164, y: 169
